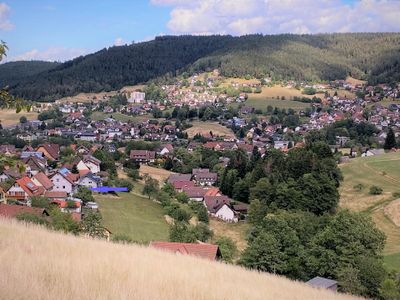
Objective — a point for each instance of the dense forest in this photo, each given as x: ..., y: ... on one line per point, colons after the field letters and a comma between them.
x: 13, y: 72
x: 370, y: 56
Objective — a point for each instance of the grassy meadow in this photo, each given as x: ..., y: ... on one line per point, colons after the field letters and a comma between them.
x: 134, y: 216
x: 9, y: 117
x: 206, y: 127
x: 382, y: 171
x: 83, y: 268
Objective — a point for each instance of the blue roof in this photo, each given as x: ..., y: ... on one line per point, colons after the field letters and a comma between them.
x: 106, y: 189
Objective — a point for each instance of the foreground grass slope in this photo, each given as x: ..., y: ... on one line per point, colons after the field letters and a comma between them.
x: 38, y: 264
x: 382, y: 171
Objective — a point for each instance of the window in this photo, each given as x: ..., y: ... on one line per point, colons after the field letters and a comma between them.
x: 64, y: 187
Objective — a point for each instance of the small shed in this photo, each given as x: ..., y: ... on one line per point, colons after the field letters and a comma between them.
x: 323, y: 283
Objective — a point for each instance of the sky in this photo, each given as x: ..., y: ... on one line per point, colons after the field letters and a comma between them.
x: 60, y: 30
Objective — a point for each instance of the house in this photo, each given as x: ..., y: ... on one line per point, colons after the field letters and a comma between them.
x: 219, y: 206
x: 40, y: 179
x: 63, y: 181
x: 195, y: 193
x: 137, y: 97
x: 203, y: 250
x: 10, y: 174
x: 89, y: 163
x: 142, y: 156
x: 8, y: 150
x: 179, y: 177
x: 205, y: 178
x: 35, y: 164
x: 12, y: 211
x: 23, y: 189
x: 165, y: 149
x: 89, y: 180
x: 323, y: 283
x: 52, y: 195
x: 180, y: 185
x: 51, y: 151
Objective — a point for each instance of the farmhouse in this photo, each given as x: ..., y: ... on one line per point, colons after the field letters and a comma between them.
x: 142, y: 156
x: 219, y: 206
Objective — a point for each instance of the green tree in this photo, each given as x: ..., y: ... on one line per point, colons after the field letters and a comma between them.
x: 42, y: 202
x: 263, y: 254
x: 84, y: 194
x: 228, y: 248
x: 390, y: 141
x: 23, y: 120
x: 63, y: 222
x: 91, y: 225
x: 151, y: 187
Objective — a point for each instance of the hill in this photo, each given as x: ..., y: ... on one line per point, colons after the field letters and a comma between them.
x: 38, y: 264
x: 371, y: 56
x: 382, y: 171
x: 13, y: 72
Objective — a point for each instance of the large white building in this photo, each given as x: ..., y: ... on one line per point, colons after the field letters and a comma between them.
x: 137, y: 97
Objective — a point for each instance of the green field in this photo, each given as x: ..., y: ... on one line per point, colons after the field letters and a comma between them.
x: 382, y: 171
x: 132, y: 215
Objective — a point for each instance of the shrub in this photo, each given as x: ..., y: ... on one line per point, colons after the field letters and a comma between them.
x: 358, y: 187
x: 375, y: 190
x: 228, y: 248
x: 396, y: 194
x: 182, y: 198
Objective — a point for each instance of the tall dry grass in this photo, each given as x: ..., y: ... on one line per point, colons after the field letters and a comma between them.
x: 38, y: 264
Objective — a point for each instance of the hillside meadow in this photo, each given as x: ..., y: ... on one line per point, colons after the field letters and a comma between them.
x: 39, y: 264
x: 8, y: 117
x: 382, y: 171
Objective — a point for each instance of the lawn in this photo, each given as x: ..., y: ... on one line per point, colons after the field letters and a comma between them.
x: 206, y: 127
x: 236, y: 231
x: 392, y: 262
x: 132, y: 215
x: 9, y: 117
x: 382, y: 171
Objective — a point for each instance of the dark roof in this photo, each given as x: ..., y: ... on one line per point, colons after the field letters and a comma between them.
x: 321, y: 282
x: 214, y: 203
x: 179, y: 177
x: 208, y: 251
x: 194, y: 192
x: 142, y: 154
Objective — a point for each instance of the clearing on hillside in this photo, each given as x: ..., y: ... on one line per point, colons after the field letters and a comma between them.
x: 134, y: 216
x: 382, y: 171
x: 79, y: 268
x: 236, y: 231
x: 204, y: 128
x: 157, y: 173
x: 9, y: 117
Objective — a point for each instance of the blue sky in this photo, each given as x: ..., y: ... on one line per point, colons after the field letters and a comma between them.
x: 60, y: 30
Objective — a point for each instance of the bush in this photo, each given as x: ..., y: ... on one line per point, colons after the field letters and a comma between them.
x: 375, y: 190
x: 29, y: 218
x: 358, y: 187
x: 182, y: 198
x: 396, y: 194
x: 228, y: 248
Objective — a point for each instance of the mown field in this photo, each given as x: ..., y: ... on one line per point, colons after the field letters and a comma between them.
x: 382, y: 171
x: 206, y: 127
x: 9, y: 117
x: 134, y: 216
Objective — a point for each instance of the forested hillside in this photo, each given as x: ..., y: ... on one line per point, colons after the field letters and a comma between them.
x: 371, y: 56
x: 13, y: 72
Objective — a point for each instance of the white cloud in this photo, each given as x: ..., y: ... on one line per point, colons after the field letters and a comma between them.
x: 5, y: 23
x: 239, y: 17
x: 119, y: 42
x: 50, y: 54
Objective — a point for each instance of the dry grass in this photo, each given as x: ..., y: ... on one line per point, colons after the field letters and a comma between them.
x: 9, y: 117
x: 38, y: 264
x: 157, y: 173
x: 206, y: 127
x: 355, y: 81
x: 236, y: 231
x: 392, y: 211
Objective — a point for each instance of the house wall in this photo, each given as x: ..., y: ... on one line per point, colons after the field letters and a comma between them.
x: 88, y: 182
x: 45, y: 153
x: 93, y: 167
x: 17, y: 192
x: 82, y: 166
x: 61, y: 184
x: 226, y: 214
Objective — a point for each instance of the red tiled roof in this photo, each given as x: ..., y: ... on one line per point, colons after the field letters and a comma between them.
x: 182, y: 184
x: 29, y: 187
x: 44, y: 180
x: 56, y: 194
x: 207, y: 251
x: 195, y: 192
x: 213, y: 192
x: 52, y: 149
x: 11, y: 211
